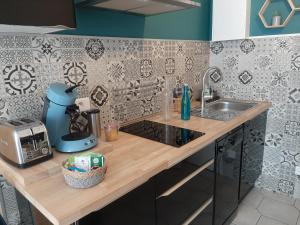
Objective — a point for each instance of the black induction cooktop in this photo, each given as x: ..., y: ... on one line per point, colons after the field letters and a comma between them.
x: 166, y: 134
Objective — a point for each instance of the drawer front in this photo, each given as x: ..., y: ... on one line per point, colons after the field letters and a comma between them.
x: 178, y: 203
x: 135, y: 208
x: 169, y: 178
x: 203, y: 216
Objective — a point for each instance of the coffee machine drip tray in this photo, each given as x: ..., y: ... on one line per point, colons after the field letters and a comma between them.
x: 75, y: 136
x: 76, y: 142
x: 163, y: 133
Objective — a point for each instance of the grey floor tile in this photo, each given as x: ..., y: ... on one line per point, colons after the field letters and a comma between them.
x: 246, y: 216
x: 284, y: 213
x: 254, y: 198
x: 268, y: 221
x: 278, y: 197
x: 297, y: 204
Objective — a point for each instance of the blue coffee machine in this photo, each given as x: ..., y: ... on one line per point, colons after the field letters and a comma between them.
x: 59, y: 109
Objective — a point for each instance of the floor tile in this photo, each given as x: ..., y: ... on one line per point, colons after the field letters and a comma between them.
x: 246, y: 216
x: 284, y: 213
x: 278, y: 197
x: 254, y: 198
x: 297, y: 204
x: 268, y: 221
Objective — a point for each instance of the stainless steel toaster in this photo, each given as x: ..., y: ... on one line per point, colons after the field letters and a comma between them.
x: 24, y: 142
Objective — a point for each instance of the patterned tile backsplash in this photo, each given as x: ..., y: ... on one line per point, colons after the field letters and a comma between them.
x: 266, y: 69
x: 124, y: 78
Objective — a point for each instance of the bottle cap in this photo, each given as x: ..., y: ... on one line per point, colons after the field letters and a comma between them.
x: 186, y: 85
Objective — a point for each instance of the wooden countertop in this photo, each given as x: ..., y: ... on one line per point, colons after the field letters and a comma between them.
x: 131, y: 162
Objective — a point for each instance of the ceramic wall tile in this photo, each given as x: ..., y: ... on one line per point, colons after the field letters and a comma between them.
x: 72, y: 42
x: 133, y: 48
x: 29, y: 106
x: 46, y: 49
x: 94, y: 48
x: 3, y: 109
x: 19, y: 79
x: 267, y: 69
x: 47, y: 74
x: 169, y: 49
x: 123, y: 77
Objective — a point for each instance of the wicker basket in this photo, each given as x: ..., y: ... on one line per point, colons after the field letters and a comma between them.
x: 84, y: 180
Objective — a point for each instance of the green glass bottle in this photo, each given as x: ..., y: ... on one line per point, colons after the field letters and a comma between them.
x: 185, y: 103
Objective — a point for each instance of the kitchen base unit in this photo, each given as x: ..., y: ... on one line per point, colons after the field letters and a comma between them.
x: 206, y: 188
x: 228, y: 160
x: 135, y: 208
x: 181, y: 195
x: 253, y: 153
x: 184, y: 193
x: 150, y: 183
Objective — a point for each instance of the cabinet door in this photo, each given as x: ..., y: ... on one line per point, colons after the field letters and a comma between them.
x: 253, y: 152
x: 228, y: 159
x: 230, y: 19
x: 2, y: 221
x: 205, y: 217
x: 184, y: 189
x: 135, y: 208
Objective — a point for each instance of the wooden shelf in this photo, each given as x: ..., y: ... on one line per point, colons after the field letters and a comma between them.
x: 285, y: 22
x: 296, y: 6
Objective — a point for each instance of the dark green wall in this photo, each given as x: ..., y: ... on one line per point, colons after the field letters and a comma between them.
x: 187, y: 24
x: 191, y: 24
x: 258, y: 29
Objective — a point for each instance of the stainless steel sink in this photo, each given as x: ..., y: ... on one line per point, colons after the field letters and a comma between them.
x: 223, y: 109
x: 229, y: 105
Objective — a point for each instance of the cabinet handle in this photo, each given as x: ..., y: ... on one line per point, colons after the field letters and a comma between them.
x: 221, y: 149
x: 185, y: 180
x: 231, y: 141
x: 197, y: 212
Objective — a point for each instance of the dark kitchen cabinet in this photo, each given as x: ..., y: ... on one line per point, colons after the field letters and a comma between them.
x: 2, y: 221
x: 38, y: 13
x: 239, y: 160
x: 135, y: 208
x: 184, y: 193
x: 252, y: 154
x: 228, y: 158
x: 205, y: 218
x: 204, y: 189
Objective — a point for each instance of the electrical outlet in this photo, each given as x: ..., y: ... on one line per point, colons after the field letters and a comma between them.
x: 83, y: 103
x: 297, y: 170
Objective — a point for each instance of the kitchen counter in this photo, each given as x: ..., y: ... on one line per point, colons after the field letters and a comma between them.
x: 131, y: 162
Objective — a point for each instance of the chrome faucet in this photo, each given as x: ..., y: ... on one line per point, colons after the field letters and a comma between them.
x: 207, y: 93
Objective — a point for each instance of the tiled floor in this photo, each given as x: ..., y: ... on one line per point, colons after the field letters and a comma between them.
x: 261, y: 207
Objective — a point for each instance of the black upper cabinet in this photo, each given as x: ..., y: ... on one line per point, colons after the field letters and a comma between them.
x: 252, y: 154
x: 38, y: 13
